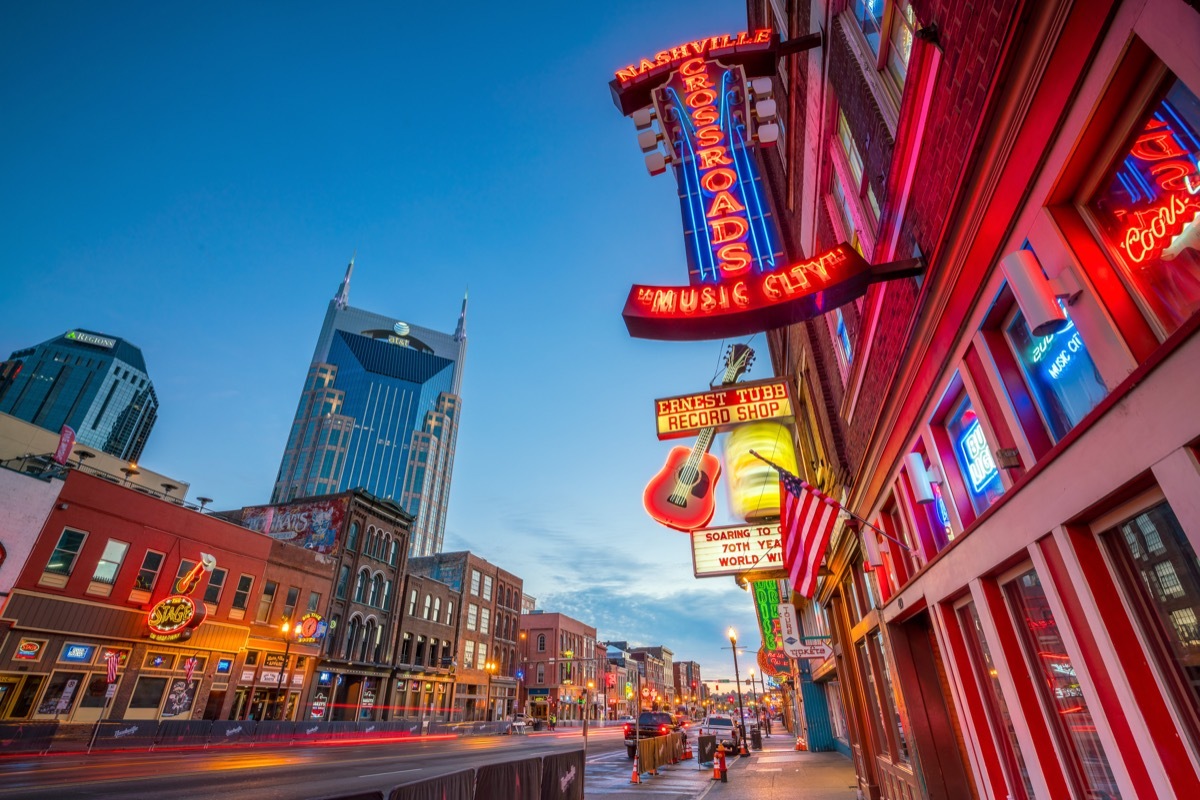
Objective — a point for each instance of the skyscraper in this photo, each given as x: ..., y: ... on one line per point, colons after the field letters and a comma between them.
x: 93, y: 382
x: 379, y: 411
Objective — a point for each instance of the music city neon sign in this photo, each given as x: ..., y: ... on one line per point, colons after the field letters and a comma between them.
x: 741, y: 281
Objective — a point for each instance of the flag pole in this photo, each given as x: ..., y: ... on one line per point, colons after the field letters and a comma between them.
x: 812, y: 488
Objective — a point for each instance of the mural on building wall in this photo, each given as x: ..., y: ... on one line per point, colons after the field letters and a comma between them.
x: 313, y: 525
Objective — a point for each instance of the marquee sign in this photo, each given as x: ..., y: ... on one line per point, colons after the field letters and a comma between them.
x: 736, y: 549
x: 711, y: 120
x: 311, y: 628
x: 724, y: 408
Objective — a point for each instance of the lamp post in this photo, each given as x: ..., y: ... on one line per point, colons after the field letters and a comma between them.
x: 738, y: 684
x: 490, y: 667
x: 130, y: 471
x: 286, y: 627
x: 766, y: 713
x: 587, y: 691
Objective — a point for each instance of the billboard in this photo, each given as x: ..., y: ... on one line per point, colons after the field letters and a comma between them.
x: 313, y: 525
x: 736, y: 549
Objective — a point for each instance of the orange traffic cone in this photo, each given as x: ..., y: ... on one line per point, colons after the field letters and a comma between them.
x: 637, y: 778
x: 717, y: 762
x: 800, y: 745
x: 687, y: 749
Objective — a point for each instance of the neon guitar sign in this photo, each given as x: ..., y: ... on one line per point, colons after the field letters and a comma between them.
x: 680, y: 495
x: 711, y: 121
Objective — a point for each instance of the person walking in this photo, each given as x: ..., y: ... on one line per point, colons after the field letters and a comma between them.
x: 553, y: 720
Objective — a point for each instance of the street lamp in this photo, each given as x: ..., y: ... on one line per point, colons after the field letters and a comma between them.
x: 284, y: 675
x: 130, y: 471
x: 738, y: 684
x: 587, y: 707
x: 491, y: 668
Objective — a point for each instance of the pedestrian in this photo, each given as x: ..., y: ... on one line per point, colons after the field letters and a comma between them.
x: 553, y: 720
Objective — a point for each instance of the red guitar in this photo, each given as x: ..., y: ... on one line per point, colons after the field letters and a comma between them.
x: 680, y: 496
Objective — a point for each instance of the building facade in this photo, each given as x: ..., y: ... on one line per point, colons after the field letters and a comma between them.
x: 379, y: 411
x: 559, y: 656
x: 687, y: 686
x: 429, y: 621
x: 1019, y: 424
x: 94, y: 383
x: 106, y: 574
x: 486, y: 660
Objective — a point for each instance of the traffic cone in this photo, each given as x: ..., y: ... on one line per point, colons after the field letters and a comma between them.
x: 742, y: 751
x: 717, y: 762
x: 800, y: 744
x: 687, y: 749
x: 637, y: 778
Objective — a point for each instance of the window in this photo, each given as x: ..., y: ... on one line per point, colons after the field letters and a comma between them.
x: 1147, y: 204
x: 487, y: 587
x: 148, y: 574
x: 475, y: 582
x: 541, y: 673
x: 360, y: 587
x: 482, y: 654
x: 406, y: 649
x: 419, y: 657
x: 352, y: 537
x: 437, y: 609
x: 845, y: 216
x: 469, y: 654
x: 1047, y: 656
x: 343, y: 582
x: 289, y: 603
x: 449, y: 612
x: 185, y: 567
x: 376, y: 591
x: 425, y: 611
x: 110, y: 562
x: 845, y: 348
x: 387, y: 596
x: 904, y: 23
x: 1160, y: 572
x: 869, y: 16
x: 62, y: 560
x: 974, y: 456
x: 1060, y: 373
x: 485, y: 618
x: 541, y: 643
x: 266, y: 601
x: 472, y: 616
x: 412, y: 603
x: 241, y: 596
x: 314, y: 601
x: 216, y: 582
x: 148, y: 693
x: 893, y: 50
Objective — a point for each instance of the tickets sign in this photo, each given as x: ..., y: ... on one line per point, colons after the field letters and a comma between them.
x: 736, y: 549
x: 724, y: 408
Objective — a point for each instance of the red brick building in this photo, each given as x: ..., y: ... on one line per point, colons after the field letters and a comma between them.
x: 559, y: 659
x: 1021, y: 420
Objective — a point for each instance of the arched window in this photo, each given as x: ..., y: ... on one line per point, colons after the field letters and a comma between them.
x: 425, y: 610
x: 353, y: 635
x: 387, y: 596
x: 352, y: 537
x: 412, y: 603
x: 343, y: 580
x: 395, y: 552
x: 368, y: 641
x: 376, y: 590
x: 450, y: 612
x: 360, y: 587
x: 541, y: 642
x: 369, y: 549
x: 437, y: 609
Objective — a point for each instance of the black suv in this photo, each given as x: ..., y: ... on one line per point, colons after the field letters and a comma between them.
x: 649, y: 725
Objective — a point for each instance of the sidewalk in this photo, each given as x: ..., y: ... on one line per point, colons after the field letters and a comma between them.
x: 777, y: 772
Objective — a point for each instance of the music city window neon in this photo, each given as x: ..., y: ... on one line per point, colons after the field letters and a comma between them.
x: 979, y: 472
x: 1149, y: 208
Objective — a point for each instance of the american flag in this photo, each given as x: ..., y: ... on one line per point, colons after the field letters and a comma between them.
x: 189, y: 667
x: 113, y: 659
x: 806, y: 521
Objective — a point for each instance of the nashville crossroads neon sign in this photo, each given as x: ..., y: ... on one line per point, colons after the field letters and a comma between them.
x: 741, y: 281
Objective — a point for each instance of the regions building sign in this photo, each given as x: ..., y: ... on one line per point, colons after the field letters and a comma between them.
x: 92, y: 339
x: 723, y: 409
x: 736, y: 549
x: 712, y: 102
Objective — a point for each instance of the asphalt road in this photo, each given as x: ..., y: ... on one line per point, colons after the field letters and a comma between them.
x: 277, y: 773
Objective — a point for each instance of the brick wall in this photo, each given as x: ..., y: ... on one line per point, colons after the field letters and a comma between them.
x: 856, y: 101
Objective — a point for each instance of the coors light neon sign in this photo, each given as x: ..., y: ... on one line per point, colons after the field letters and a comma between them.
x: 711, y: 119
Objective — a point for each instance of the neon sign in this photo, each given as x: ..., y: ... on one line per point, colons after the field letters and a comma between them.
x: 173, y: 618
x: 700, y: 47
x: 686, y: 415
x: 976, y: 457
x: 741, y: 281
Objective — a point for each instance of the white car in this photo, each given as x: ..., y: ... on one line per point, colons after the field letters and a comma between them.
x: 722, y: 727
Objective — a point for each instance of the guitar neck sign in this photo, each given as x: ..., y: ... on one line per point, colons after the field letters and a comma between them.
x: 740, y: 279
x: 723, y: 409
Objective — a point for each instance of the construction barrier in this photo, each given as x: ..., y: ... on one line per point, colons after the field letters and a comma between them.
x: 28, y: 737
x: 562, y: 776
x: 512, y: 780
x: 660, y: 751
x: 456, y: 786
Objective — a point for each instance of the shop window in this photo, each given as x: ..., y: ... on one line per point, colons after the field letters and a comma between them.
x: 1161, y: 574
x: 148, y: 693
x: 980, y: 474
x: 110, y: 562
x: 1148, y: 203
x: 1071, y: 715
x: 62, y: 560
x: 867, y: 674
x: 897, y: 716
x: 1003, y: 732
x: 1061, y: 375
x: 62, y: 691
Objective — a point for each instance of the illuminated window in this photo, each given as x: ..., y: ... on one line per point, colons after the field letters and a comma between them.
x: 869, y: 16
x: 900, y: 45
x: 1148, y: 204
x: 110, y: 562
x: 887, y: 28
x: 62, y: 560
x: 974, y: 456
x: 1059, y: 371
x: 843, y: 336
x: 469, y: 654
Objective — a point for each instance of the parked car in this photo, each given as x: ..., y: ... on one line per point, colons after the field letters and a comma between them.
x: 649, y: 724
x: 722, y: 727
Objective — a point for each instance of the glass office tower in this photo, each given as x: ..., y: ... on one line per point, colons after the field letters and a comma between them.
x: 95, y: 383
x: 379, y: 411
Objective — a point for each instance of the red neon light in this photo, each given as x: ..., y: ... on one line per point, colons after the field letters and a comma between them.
x: 746, y: 305
x: 1156, y: 227
x: 666, y: 58
x: 695, y: 508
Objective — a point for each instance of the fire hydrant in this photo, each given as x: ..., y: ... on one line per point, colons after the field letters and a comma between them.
x: 721, y: 763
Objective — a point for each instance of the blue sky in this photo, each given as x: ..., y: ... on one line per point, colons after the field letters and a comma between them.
x: 194, y: 179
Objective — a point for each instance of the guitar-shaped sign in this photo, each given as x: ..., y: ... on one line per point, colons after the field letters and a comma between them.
x: 680, y: 496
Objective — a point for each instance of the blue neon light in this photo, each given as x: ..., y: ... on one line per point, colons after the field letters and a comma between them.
x: 981, y: 469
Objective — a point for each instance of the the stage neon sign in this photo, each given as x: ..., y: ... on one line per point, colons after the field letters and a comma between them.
x: 700, y: 47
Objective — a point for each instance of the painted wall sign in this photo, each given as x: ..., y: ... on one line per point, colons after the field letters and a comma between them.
x: 313, y: 526
x: 723, y: 409
x: 736, y: 549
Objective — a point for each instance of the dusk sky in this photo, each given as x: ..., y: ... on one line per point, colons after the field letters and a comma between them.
x: 194, y: 179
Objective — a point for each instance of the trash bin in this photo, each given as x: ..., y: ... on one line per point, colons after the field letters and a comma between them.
x: 537, y: 724
x: 756, y: 739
